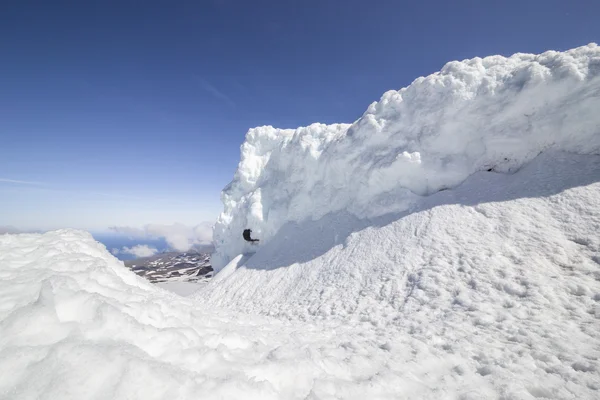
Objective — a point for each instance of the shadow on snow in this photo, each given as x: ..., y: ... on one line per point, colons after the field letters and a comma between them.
x: 546, y: 175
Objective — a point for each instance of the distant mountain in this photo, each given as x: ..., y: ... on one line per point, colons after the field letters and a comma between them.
x: 190, y: 266
x: 9, y: 229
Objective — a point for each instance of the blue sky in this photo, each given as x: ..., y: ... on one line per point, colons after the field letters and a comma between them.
x: 129, y: 112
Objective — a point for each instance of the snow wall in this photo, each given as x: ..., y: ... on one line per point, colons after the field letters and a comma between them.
x: 493, y: 113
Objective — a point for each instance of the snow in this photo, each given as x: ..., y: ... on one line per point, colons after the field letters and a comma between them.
x: 181, y: 288
x: 499, y: 278
x: 369, y: 281
x: 75, y: 323
x: 503, y: 234
x: 492, y: 113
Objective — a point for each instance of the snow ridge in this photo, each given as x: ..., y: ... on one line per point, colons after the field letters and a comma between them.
x: 492, y: 113
x: 501, y: 275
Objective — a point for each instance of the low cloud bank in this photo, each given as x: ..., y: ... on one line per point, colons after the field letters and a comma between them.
x: 139, y: 251
x: 178, y: 236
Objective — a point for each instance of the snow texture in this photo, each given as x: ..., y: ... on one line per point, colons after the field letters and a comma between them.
x: 182, y: 288
x: 496, y: 283
x: 370, y: 281
x: 493, y: 113
x: 491, y: 290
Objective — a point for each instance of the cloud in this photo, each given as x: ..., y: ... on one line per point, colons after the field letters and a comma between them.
x: 207, y: 86
x: 141, y: 250
x: 129, y: 231
x: 18, y: 182
x: 178, y: 236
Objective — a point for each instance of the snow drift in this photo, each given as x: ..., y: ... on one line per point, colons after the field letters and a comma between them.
x: 500, y: 275
x: 493, y: 113
x: 454, y: 310
x: 76, y: 324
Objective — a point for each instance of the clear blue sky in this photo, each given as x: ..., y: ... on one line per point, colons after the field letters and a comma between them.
x: 132, y: 112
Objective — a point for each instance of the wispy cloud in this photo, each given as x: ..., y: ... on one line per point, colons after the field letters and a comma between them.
x: 19, y: 182
x: 178, y: 236
x: 207, y: 86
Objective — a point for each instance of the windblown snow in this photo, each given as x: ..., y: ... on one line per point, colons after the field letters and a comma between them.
x: 493, y: 113
x: 444, y: 246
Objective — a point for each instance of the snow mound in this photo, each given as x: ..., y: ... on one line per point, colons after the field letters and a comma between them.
x: 493, y: 113
x: 502, y: 239
x: 501, y: 275
x: 76, y: 324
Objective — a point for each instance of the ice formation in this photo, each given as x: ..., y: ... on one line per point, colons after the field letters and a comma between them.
x: 493, y: 113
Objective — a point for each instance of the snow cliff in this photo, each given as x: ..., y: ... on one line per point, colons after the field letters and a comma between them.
x: 493, y: 113
x: 499, y: 277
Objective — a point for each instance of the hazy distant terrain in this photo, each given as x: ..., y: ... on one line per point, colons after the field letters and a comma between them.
x: 173, y: 267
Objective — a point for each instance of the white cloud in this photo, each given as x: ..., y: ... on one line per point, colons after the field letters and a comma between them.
x: 178, y: 236
x: 141, y: 250
x: 129, y: 231
x: 203, y: 232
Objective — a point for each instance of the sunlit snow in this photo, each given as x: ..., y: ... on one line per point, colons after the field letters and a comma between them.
x: 486, y: 113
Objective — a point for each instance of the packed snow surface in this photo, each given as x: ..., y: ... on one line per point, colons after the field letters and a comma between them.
x: 486, y: 113
x: 488, y: 291
x: 498, y: 280
x: 182, y: 288
x: 370, y: 281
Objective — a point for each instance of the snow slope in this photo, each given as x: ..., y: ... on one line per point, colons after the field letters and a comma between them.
x: 473, y: 115
x: 181, y: 288
x: 528, y: 237
x: 489, y: 291
x: 76, y: 324
x: 462, y: 211
x: 502, y: 274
